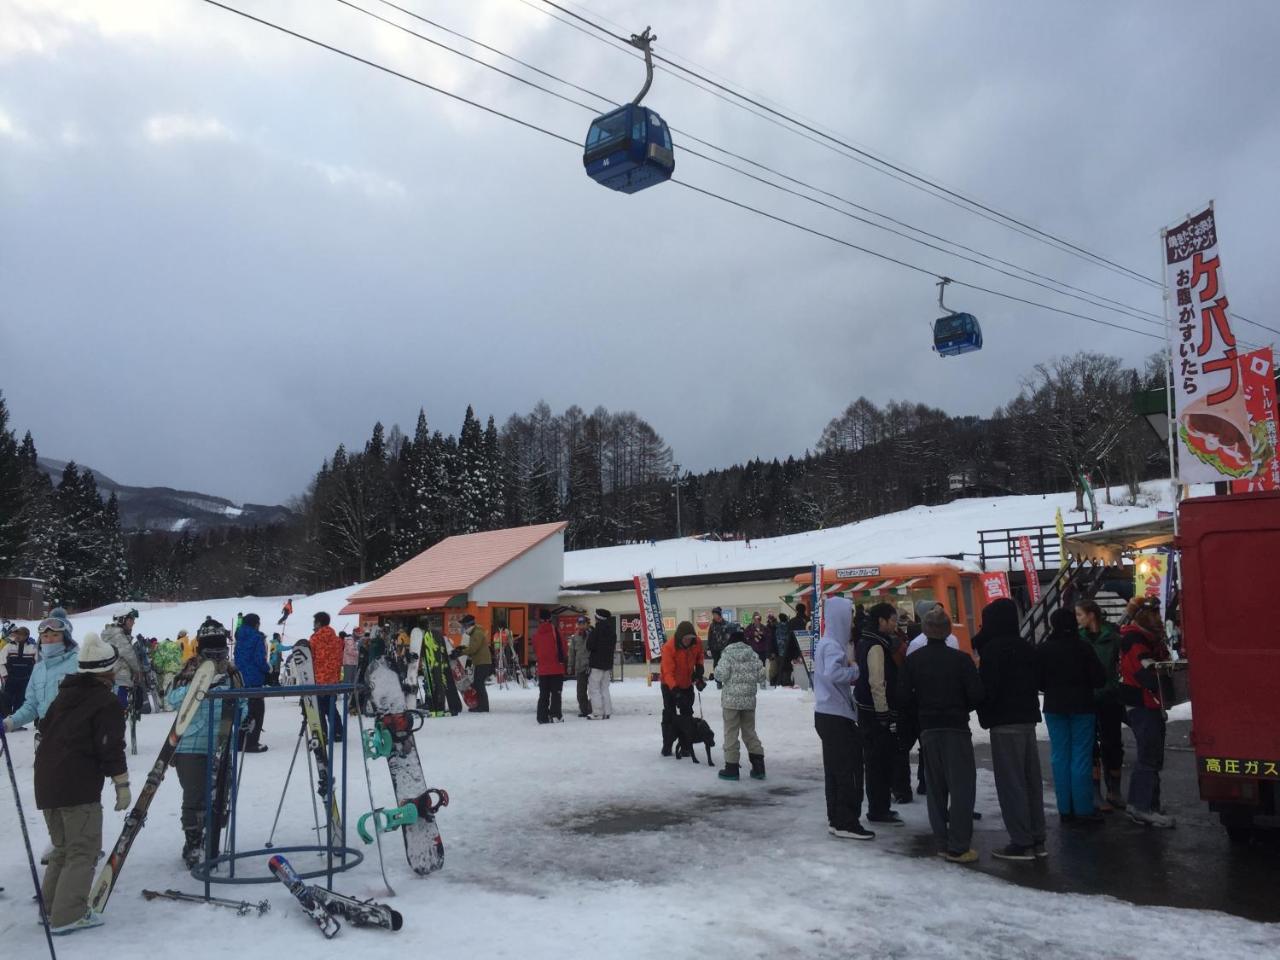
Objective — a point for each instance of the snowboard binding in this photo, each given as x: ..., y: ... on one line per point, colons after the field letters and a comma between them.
x: 387, y: 819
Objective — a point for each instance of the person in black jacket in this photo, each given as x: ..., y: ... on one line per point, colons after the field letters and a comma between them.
x: 1011, y: 711
x: 876, y: 694
x: 1069, y: 674
x: 942, y: 686
x: 81, y: 742
x: 601, y: 643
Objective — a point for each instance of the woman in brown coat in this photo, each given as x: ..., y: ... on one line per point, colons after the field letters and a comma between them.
x: 81, y: 743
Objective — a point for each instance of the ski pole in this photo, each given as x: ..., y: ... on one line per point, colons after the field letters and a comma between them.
x: 26, y: 839
x: 287, y: 777
x: 372, y: 805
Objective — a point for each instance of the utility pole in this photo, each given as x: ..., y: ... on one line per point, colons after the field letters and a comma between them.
x: 679, y: 531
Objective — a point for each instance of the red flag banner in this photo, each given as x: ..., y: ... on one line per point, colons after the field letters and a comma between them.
x: 1029, y: 567
x: 1257, y: 379
x: 995, y: 585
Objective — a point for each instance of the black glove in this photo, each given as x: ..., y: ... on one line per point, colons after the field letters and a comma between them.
x: 698, y: 672
x: 884, y: 721
x: 455, y: 654
x: 700, y: 684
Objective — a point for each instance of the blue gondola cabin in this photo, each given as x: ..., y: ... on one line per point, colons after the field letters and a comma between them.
x: 629, y: 149
x: 956, y: 333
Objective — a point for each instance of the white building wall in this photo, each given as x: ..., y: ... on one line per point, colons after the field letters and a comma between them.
x: 532, y: 578
x: 678, y: 603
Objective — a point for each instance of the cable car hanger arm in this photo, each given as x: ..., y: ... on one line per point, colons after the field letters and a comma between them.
x: 942, y: 285
x: 644, y: 41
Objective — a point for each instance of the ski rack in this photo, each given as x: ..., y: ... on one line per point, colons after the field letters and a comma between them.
x: 339, y: 857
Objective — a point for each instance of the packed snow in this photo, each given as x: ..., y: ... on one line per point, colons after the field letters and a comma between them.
x: 578, y: 838
x: 916, y: 534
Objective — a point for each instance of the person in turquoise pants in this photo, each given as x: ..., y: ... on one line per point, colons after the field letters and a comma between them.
x: 1069, y: 675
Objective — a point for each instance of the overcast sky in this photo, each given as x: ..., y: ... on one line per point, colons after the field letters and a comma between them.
x: 224, y: 251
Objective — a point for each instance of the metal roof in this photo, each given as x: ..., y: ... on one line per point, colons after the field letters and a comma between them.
x: 451, y: 567
x: 1111, y: 545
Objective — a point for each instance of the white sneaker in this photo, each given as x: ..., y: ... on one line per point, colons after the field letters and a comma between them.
x: 1152, y: 818
x: 90, y: 919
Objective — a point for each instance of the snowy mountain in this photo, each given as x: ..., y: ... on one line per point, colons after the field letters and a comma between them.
x: 164, y: 508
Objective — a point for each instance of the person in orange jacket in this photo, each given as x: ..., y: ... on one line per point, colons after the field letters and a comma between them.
x: 549, y: 649
x: 682, y: 668
x: 326, y: 663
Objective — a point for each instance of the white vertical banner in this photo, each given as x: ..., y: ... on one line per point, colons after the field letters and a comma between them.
x: 1211, y: 419
x: 651, y: 627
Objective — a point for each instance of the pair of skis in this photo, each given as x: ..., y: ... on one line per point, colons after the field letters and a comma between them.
x: 302, y: 672
x: 328, y: 909
x: 204, y: 678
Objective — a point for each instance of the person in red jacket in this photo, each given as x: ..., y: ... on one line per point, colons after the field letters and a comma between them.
x: 549, y: 648
x: 1141, y: 647
x: 682, y: 668
x: 326, y: 662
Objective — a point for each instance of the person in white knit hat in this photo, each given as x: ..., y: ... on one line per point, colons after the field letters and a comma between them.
x: 81, y: 741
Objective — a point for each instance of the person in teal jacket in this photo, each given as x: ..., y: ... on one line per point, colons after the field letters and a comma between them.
x: 57, y: 659
x: 193, y: 749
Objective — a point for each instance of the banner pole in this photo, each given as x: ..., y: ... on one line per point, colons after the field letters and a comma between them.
x: 1168, y: 379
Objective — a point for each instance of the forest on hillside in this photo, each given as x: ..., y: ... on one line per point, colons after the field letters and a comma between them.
x: 610, y: 475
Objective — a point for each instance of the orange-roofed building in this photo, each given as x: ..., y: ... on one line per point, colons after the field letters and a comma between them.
x: 500, y: 577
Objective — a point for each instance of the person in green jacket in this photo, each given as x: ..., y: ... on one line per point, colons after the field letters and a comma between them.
x: 166, y: 661
x: 475, y: 644
x: 1104, y: 639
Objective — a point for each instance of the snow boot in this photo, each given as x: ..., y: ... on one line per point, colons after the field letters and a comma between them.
x: 668, y: 737
x: 1114, y: 796
x: 757, y: 765
x: 193, y: 849
x: 730, y: 772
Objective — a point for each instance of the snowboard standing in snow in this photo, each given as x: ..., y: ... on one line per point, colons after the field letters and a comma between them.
x: 464, y: 675
x: 285, y: 873
x: 392, y: 738
x: 303, y: 674
x: 194, y: 699
x: 413, y: 663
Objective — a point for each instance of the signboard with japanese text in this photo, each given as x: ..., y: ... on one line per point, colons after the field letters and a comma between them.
x: 651, y: 628
x: 853, y: 573
x: 1211, y: 420
x: 1257, y: 380
x: 1232, y: 767
x: 995, y: 585
x: 1029, y: 568
x: 1150, y: 573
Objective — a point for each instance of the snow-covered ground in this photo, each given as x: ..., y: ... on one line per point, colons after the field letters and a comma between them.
x: 578, y: 839
x: 914, y: 534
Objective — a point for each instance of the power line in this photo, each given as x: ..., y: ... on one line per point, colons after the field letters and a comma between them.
x: 917, y: 180
x: 1135, y: 313
x: 1042, y: 234
x: 709, y: 193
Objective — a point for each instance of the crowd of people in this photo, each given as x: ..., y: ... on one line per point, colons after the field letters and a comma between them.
x: 879, y: 689
x: 882, y: 682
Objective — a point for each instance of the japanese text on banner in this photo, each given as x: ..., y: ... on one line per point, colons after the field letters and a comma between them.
x: 1212, y: 424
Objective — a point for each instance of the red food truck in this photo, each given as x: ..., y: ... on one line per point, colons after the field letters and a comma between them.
x: 1230, y: 549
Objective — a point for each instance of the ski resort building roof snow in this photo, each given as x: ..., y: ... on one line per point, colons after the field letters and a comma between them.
x: 520, y: 564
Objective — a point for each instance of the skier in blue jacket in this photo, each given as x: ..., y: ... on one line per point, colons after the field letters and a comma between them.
x: 192, y: 754
x: 57, y: 659
x: 254, y: 667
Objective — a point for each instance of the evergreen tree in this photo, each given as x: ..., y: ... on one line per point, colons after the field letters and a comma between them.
x: 13, y: 530
x: 471, y: 483
x: 495, y: 507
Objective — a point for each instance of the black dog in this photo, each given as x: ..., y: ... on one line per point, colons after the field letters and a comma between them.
x: 694, y: 730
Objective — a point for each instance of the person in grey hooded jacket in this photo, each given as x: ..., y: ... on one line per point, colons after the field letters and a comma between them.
x: 833, y: 679
x: 740, y: 671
